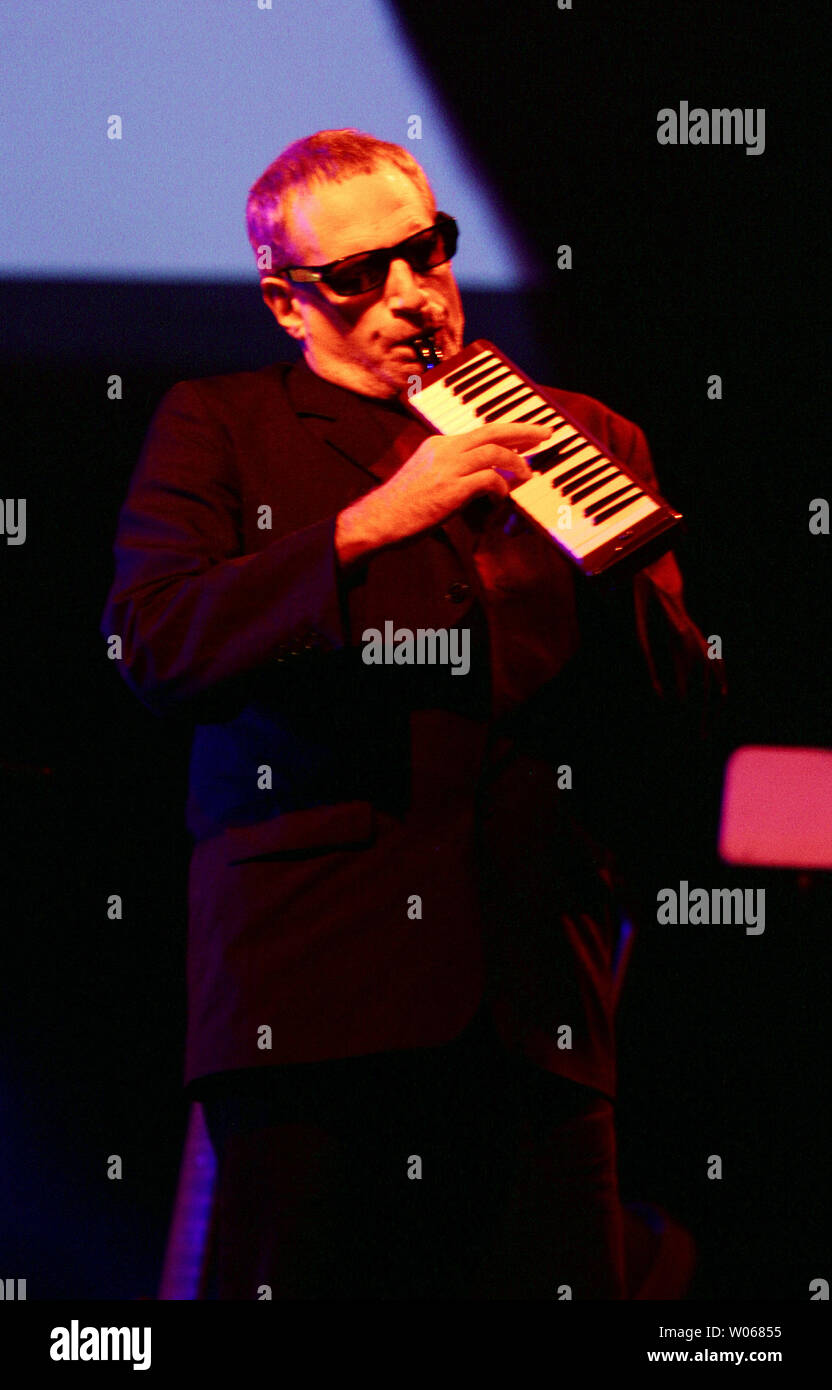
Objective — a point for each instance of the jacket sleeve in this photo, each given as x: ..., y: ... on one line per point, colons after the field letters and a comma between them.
x: 192, y: 611
x: 680, y: 668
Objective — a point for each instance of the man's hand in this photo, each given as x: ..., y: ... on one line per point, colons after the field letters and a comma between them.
x: 444, y: 473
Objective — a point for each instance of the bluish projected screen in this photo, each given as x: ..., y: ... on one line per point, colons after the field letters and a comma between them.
x: 207, y: 93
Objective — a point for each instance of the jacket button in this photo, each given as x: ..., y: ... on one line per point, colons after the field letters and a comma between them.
x: 458, y: 592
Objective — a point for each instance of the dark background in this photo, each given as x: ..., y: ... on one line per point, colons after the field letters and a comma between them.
x: 688, y: 261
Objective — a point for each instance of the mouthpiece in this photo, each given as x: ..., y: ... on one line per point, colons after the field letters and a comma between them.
x: 428, y: 352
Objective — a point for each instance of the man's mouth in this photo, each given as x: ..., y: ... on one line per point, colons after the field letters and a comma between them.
x: 424, y: 346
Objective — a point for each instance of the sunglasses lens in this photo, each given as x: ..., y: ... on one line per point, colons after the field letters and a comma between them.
x: 422, y: 252
x: 362, y: 274
x: 436, y: 246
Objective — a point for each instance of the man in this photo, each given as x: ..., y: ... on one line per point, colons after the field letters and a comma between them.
x: 401, y: 944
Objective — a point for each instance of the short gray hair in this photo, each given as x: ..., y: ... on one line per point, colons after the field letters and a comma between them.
x: 328, y: 156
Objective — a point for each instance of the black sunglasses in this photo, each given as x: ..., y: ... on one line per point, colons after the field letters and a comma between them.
x: 367, y: 270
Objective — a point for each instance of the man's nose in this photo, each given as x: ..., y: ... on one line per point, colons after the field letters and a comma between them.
x: 402, y: 288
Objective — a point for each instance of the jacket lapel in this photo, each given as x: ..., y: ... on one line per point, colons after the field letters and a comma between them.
x: 343, y: 421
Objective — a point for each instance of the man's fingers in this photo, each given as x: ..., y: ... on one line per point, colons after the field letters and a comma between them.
x: 510, y: 436
x: 491, y: 456
x: 493, y: 483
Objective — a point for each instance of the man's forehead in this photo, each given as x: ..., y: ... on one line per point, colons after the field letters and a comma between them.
x: 331, y: 220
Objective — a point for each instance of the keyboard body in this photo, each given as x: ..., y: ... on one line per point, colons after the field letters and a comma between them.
x: 588, y: 503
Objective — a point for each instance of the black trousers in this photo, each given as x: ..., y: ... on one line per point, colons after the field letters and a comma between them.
x: 458, y: 1171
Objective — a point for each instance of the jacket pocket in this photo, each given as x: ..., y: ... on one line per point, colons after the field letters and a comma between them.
x: 300, y: 834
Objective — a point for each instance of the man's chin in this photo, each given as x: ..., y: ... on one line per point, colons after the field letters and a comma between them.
x: 398, y: 371
x: 383, y: 381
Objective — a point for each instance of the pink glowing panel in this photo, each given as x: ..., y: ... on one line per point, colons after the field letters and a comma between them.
x: 777, y: 808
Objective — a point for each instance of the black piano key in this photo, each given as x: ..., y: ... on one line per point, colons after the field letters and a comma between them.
x: 574, y: 472
x: 476, y: 366
x: 496, y: 406
x: 544, y: 459
x: 497, y: 400
x: 467, y: 390
x: 576, y: 492
x: 611, y: 511
x: 481, y: 380
x: 568, y: 449
x: 488, y: 379
x: 512, y: 405
x: 601, y: 515
x: 577, y: 476
x: 602, y: 479
x: 531, y: 414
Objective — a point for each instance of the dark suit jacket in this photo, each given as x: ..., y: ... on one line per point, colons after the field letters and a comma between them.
x: 375, y: 845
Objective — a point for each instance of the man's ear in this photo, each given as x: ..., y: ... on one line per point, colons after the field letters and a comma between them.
x: 278, y: 296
